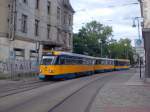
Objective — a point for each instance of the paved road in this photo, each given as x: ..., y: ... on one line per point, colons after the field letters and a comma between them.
x: 68, y: 96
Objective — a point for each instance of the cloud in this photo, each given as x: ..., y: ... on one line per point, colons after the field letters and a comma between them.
x: 117, y: 13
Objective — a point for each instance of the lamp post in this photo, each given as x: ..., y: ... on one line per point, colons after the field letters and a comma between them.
x: 139, y: 34
x: 126, y: 52
x: 109, y: 51
x: 101, y: 48
x: 139, y: 30
x: 38, y: 51
x: 134, y: 25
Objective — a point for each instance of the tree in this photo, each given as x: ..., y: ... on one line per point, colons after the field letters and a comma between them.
x: 87, y: 41
x: 122, y: 50
x: 94, y: 35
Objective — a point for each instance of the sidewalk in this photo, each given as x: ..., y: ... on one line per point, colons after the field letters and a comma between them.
x: 124, y: 93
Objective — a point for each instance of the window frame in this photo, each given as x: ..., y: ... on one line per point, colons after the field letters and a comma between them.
x: 36, y: 32
x: 24, y: 23
x: 37, y: 4
x: 48, y: 7
x: 25, y: 1
x: 48, y: 31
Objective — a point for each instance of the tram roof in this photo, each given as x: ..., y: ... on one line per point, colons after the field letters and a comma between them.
x: 123, y: 60
x: 58, y: 53
x: 105, y: 59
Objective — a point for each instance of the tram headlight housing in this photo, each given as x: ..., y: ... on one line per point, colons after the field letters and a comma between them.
x: 40, y: 71
x: 51, y: 71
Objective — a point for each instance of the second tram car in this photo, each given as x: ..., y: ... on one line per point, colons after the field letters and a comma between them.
x: 103, y: 65
x: 121, y: 64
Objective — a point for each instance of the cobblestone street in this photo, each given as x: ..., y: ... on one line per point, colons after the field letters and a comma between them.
x: 124, y: 93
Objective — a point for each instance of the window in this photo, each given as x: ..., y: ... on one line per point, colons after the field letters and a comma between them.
x: 98, y: 62
x: 48, y: 7
x: 48, y: 60
x: 58, y: 13
x: 24, y: 23
x: 65, y: 38
x: 19, y: 53
x: 69, y: 19
x: 48, y: 31
x: 37, y: 4
x: 58, y: 34
x: 33, y: 54
x: 36, y: 27
x: 70, y: 39
x: 65, y: 17
x: 25, y: 1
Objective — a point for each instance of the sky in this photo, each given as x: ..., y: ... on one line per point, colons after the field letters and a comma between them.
x: 116, y: 13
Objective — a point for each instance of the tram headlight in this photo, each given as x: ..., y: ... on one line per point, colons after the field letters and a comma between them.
x: 51, y: 71
x: 40, y: 71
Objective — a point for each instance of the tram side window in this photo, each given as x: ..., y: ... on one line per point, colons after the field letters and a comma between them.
x: 98, y: 62
x: 116, y: 63
x: 90, y: 62
x: 62, y: 61
x: 80, y: 61
x: 107, y: 62
x: 122, y: 63
x: 69, y: 61
x: 110, y: 62
x: 85, y: 62
x: 102, y: 62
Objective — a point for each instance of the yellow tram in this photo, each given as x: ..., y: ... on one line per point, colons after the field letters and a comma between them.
x: 121, y: 64
x: 58, y: 65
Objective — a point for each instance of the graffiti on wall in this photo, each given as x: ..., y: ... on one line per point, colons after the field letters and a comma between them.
x: 19, y: 66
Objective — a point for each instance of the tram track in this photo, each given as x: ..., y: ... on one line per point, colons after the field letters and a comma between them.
x: 75, y: 95
x: 65, y: 101
x: 18, y: 88
x: 22, y: 87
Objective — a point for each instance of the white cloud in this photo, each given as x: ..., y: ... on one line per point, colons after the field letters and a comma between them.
x: 102, y: 11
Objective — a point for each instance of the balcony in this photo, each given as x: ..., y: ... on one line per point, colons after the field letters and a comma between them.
x: 67, y: 28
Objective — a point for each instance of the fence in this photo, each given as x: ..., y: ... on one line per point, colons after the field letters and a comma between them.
x: 18, y: 68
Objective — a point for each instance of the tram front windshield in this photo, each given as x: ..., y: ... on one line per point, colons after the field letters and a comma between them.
x: 48, y: 60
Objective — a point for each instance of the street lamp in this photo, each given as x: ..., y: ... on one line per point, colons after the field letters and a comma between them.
x: 134, y: 25
x: 101, y: 47
x: 139, y: 32
x: 109, y: 51
x: 126, y: 52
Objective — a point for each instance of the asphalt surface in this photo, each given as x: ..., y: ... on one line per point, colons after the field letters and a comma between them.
x: 75, y: 95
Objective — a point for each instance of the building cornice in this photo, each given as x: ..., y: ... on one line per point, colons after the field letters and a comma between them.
x: 25, y: 39
x: 66, y: 4
x: 146, y: 29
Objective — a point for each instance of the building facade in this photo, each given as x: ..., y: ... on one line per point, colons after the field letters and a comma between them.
x: 27, y: 27
x: 145, y: 10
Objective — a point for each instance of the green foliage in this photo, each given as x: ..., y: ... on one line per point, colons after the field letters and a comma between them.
x: 94, y: 35
x: 122, y: 49
x: 87, y: 41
